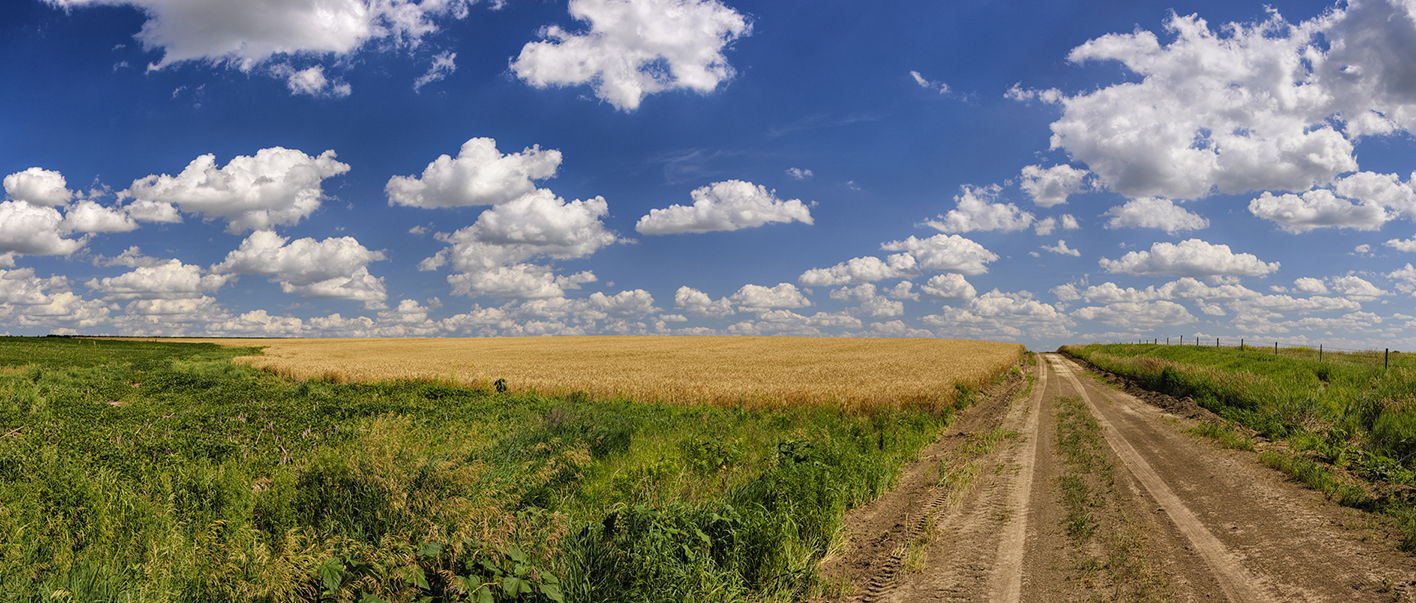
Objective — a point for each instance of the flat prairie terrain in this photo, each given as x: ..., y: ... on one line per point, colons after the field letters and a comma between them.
x: 726, y: 370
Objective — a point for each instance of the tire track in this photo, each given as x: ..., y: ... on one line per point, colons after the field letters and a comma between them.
x: 982, y: 529
x: 1236, y: 581
x: 1008, y: 577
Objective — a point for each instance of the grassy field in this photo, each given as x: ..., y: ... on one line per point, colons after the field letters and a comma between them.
x: 1347, y: 411
x: 161, y: 471
x: 734, y: 371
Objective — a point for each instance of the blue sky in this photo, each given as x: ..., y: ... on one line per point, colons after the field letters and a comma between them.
x: 1041, y: 172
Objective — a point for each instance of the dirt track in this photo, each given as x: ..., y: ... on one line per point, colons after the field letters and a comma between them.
x: 1080, y: 491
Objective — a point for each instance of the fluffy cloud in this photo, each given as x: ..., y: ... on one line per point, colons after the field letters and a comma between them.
x: 786, y: 322
x: 89, y: 216
x: 335, y: 268
x: 1193, y: 258
x: 27, y: 229
x: 164, y: 280
x: 491, y: 254
x: 945, y: 253
x: 1385, y: 190
x: 1045, y: 226
x: 872, y: 303
x: 726, y: 205
x: 311, y: 81
x: 1356, y: 288
x: 38, y: 187
x: 976, y: 211
x: 1284, y: 304
x: 756, y: 298
x: 1051, y: 186
x: 1263, y: 106
x: 1405, y: 277
x: 243, y: 34
x: 949, y: 286
x: 1310, y: 286
x: 523, y: 281
x: 1234, y: 112
x: 33, y: 302
x: 861, y: 270
x: 1185, y: 288
x: 275, y: 187
x: 799, y: 174
x: 1139, y: 315
x: 697, y: 303
x: 480, y: 175
x: 996, y: 314
x: 1317, y: 209
x: 1062, y: 249
x: 1151, y: 212
x: 635, y: 48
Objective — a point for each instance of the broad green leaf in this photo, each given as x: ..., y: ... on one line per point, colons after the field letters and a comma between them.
x: 552, y: 592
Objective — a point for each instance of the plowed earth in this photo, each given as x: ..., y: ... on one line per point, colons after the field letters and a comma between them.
x: 1080, y: 491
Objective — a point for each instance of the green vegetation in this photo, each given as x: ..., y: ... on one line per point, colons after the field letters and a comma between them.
x: 1108, y: 542
x: 1347, y: 411
x: 162, y: 472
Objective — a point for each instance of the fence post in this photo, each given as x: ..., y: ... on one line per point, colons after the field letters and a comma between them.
x: 1320, y: 352
x: 1241, y: 344
x: 1386, y: 359
x: 1275, y: 348
x: 1216, y: 342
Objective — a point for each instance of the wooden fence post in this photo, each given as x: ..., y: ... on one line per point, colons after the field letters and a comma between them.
x: 1386, y: 359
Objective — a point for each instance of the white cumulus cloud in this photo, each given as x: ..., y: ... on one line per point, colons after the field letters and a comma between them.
x: 245, y: 34
x: 1192, y: 257
x: 1052, y: 186
x: 1062, y: 249
x: 757, y: 298
x: 949, y: 286
x: 335, y: 268
x: 169, y: 279
x: 276, y: 187
x: 635, y: 48
x: 38, y: 187
x: 945, y: 253
x: 976, y: 211
x: 480, y: 175
x: 728, y: 205
x: 1317, y: 208
x: 1152, y: 212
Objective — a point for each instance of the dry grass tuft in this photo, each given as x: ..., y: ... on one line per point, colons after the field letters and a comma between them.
x: 754, y: 372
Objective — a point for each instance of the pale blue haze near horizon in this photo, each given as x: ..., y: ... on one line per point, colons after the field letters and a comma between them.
x: 1038, y: 172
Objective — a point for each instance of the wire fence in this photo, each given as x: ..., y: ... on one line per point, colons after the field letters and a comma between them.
x: 1385, y: 357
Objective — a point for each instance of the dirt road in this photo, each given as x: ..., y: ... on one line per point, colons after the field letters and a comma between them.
x: 1067, y: 489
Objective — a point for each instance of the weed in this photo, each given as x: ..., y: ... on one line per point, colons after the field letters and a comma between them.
x: 1224, y: 434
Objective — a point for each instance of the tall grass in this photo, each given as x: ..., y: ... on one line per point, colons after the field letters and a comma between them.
x: 162, y: 472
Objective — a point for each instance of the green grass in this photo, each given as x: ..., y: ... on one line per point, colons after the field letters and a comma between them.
x: 162, y: 472
x: 1346, y: 411
x: 1224, y: 434
x: 1108, y: 542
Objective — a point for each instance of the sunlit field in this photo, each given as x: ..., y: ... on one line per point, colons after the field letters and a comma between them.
x: 853, y: 373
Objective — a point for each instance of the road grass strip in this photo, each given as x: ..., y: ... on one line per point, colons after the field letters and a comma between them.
x: 1108, y: 542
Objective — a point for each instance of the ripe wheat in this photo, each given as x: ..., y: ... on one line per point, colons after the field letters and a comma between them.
x: 858, y: 374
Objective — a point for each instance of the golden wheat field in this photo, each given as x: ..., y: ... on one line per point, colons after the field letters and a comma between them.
x: 750, y: 371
